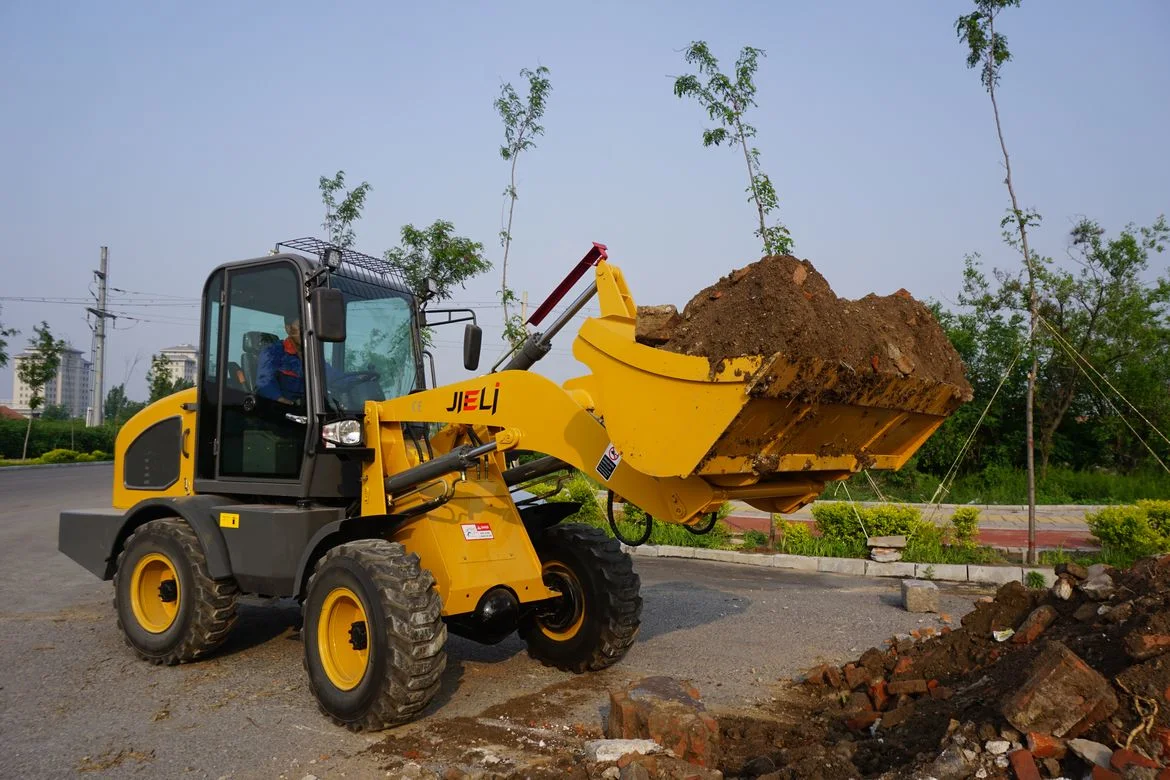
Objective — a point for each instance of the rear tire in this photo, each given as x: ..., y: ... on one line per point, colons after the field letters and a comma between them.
x: 169, y: 608
x: 374, y: 637
x: 600, y: 609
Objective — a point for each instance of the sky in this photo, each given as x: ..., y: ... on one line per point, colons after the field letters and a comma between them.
x: 183, y: 136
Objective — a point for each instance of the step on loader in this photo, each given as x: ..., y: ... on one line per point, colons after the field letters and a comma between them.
x: 313, y: 460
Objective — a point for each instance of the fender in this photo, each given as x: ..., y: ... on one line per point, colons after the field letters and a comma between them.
x: 201, y: 514
x: 339, y: 532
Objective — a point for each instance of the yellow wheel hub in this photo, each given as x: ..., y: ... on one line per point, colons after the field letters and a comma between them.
x: 343, y: 640
x: 155, y: 592
x: 570, y: 615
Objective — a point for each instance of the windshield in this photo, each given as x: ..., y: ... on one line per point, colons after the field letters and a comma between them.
x: 376, y: 361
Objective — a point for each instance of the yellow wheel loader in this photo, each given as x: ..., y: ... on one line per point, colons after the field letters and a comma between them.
x: 314, y: 460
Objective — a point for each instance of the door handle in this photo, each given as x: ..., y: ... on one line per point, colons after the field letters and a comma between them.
x: 297, y: 418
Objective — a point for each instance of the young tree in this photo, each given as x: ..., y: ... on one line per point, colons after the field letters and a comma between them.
x: 436, y: 252
x: 116, y: 401
x: 339, y: 217
x: 159, y: 379
x: 726, y: 102
x: 37, y: 368
x: 521, y: 126
x: 56, y: 412
x: 988, y: 50
x: 5, y: 334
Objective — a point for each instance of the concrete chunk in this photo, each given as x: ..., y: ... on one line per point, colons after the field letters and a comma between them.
x: 887, y: 541
x: 612, y: 749
x: 885, y: 554
x: 919, y: 596
x: 675, y: 551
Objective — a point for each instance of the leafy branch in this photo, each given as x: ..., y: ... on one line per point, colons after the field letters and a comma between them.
x: 521, y: 125
x: 340, y: 216
x: 727, y: 102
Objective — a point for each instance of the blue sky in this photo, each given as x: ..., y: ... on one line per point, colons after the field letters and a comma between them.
x: 186, y: 135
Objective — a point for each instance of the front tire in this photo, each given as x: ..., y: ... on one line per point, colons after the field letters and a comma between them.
x: 374, y: 637
x: 594, y: 623
x: 169, y: 608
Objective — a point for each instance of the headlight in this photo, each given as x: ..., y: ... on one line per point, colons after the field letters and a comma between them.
x: 348, y: 432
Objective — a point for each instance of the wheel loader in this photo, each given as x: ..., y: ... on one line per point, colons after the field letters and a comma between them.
x: 314, y: 460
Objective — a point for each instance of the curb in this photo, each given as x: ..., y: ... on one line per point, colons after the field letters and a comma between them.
x: 54, y: 465
x: 856, y: 567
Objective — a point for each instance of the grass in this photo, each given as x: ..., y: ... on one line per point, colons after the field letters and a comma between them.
x: 1110, y: 557
x: 998, y: 485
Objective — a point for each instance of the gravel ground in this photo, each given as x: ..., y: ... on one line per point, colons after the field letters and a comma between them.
x: 73, y: 699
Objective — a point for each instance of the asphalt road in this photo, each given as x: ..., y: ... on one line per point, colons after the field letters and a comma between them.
x: 74, y: 700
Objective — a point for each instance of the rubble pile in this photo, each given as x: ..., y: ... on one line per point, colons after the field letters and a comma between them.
x: 1073, y: 681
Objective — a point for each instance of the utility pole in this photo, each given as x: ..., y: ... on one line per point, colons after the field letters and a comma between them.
x: 99, y: 356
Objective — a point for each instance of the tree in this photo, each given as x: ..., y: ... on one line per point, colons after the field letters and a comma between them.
x: 35, y: 370
x: 521, y: 126
x: 726, y: 102
x: 436, y: 252
x: 988, y: 50
x: 339, y: 217
x: 5, y: 334
x: 159, y: 379
x: 119, y: 407
x: 56, y: 412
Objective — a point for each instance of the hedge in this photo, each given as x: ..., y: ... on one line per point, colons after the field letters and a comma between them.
x: 48, y: 435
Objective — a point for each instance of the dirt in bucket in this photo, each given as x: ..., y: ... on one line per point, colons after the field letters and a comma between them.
x: 783, y: 304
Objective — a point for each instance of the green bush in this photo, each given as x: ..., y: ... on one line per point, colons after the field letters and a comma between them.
x: 579, y: 489
x: 59, y: 456
x: 793, y: 536
x: 755, y: 539
x: 1034, y: 579
x: 838, y: 520
x: 965, y: 522
x: 1127, y: 530
x: 1158, y: 515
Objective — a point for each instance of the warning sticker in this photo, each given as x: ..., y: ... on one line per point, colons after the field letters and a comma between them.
x: 609, y: 462
x: 477, y: 531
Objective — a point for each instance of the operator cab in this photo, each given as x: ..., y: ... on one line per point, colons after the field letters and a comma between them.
x: 291, y: 346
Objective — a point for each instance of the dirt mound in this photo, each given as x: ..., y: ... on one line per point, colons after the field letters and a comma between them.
x: 782, y: 304
x: 1032, y: 680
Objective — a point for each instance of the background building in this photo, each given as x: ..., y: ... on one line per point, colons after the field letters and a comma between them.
x: 70, y: 388
x: 182, y: 362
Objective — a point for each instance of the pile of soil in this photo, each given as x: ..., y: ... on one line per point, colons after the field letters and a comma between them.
x: 943, y: 706
x: 782, y: 304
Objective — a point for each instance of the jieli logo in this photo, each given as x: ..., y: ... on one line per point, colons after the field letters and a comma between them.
x: 474, y: 400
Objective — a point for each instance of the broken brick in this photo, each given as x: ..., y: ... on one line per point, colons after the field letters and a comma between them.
x: 1123, y: 757
x: 862, y: 721
x: 907, y: 686
x: 858, y: 702
x: 1101, y: 773
x: 669, y: 712
x: 1162, y: 735
x: 941, y: 693
x: 833, y: 676
x: 895, y: 718
x: 1046, y: 745
x: 1143, y: 646
x: 1075, y: 569
x: 879, y: 694
x: 1023, y: 765
x: 903, y: 665
x: 856, y: 677
x: 816, y: 675
x: 1034, y: 625
x: 1062, y: 695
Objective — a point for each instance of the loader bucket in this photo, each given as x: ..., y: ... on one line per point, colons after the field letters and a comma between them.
x: 749, y: 421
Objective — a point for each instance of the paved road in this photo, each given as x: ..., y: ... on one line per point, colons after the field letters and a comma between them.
x: 73, y: 698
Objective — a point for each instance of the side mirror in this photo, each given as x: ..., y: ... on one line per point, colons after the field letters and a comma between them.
x: 472, y: 339
x: 327, y: 307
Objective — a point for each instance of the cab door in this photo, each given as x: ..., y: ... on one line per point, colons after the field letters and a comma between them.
x: 250, y: 322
